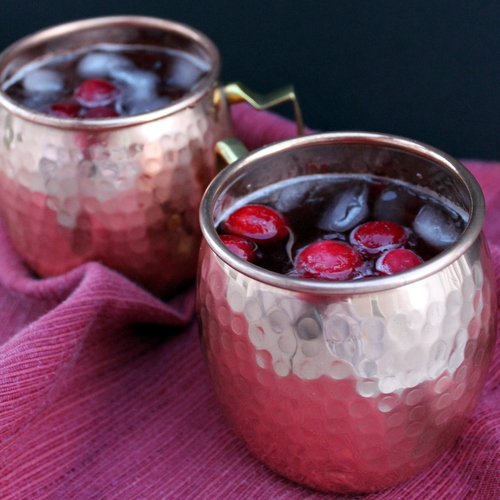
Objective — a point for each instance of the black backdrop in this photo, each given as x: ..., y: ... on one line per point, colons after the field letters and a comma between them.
x: 425, y: 70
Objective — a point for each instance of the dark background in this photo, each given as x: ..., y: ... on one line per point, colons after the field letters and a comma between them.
x: 429, y: 70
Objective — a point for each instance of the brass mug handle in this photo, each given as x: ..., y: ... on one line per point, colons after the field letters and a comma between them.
x: 230, y: 149
x: 237, y: 92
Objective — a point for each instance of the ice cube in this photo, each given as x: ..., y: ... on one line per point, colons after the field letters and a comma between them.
x: 101, y: 64
x: 292, y: 196
x: 184, y: 74
x: 436, y: 226
x: 348, y: 208
x: 43, y: 80
x: 39, y: 102
x: 140, y: 90
x: 136, y: 107
x: 395, y: 204
x: 139, y: 84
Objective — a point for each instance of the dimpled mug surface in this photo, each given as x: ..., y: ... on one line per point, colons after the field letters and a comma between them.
x: 348, y: 386
x: 124, y: 191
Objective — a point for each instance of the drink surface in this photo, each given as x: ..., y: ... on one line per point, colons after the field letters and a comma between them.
x: 106, y: 80
x: 344, y: 209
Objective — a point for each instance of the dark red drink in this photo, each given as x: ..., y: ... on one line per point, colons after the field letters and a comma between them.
x: 345, y: 227
x: 105, y: 81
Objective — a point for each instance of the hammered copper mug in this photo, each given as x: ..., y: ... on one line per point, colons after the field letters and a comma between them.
x: 347, y: 386
x: 123, y: 191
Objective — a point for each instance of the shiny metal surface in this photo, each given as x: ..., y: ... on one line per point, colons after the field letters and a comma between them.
x: 124, y: 191
x: 350, y: 386
x: 237, y: 92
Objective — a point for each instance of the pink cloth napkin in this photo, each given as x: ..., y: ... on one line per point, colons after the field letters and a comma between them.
x: 104, y: 394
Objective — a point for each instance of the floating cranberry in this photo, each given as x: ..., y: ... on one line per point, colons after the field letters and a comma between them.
x: 328, y: 260
x: 242, y: 247
x: 96, y: 92
x: 257, y: 223
x: 101, y: 112
x: 377, y: 237
x: 65, y: 109
x: 397, y: 261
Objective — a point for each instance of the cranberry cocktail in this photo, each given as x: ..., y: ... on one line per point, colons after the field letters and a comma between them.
x: 340, y: 227
x: 347, y: 305
x: 110, y: 126
x: 106, y: 81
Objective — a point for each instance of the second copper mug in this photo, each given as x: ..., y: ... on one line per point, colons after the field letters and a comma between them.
x: 347, y: 386
x: 124, y: 191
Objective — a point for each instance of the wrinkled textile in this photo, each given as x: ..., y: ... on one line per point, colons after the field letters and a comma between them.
x: 104, y: 394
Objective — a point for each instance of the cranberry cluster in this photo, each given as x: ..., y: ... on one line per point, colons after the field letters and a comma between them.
x: 93, y: 98
x: 376, y: 248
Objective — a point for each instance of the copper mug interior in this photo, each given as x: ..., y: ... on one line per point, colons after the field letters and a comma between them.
x: 348, y: 386
x: 124, y: 191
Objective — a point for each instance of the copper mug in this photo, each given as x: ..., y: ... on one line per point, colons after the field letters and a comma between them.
x: 123, y: 191
x: 347, y: 386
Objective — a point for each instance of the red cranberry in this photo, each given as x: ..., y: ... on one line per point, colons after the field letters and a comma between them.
x: 101, y: 112
x: 377, y: 237
x: 65, y: 109
x: 397, y: 261
x: 257, y: 223
x: 328, y: 260
x: 242, y: 247
x: 96, y: 92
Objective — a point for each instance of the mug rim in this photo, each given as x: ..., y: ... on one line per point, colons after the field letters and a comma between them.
x: 445, y: 258
x: 61, y: 30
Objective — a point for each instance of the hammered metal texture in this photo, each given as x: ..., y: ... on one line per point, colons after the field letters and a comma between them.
x: 127, y: 197
x: 355, y: 393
